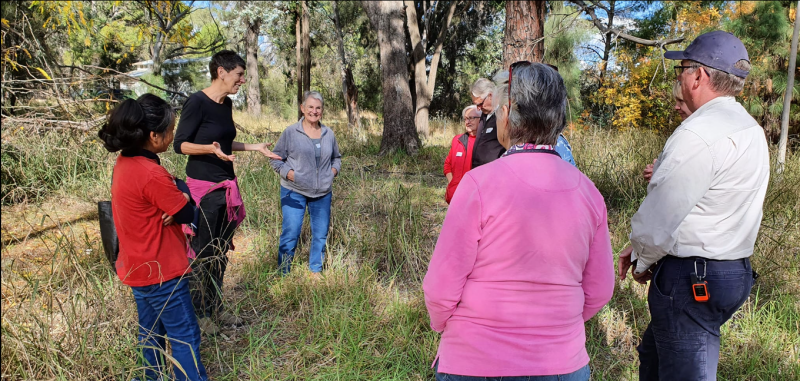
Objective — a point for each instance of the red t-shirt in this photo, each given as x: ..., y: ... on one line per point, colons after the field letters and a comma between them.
x: 149, y: 252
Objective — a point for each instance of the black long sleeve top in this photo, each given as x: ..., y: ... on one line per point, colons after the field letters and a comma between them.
x: 204, y: 121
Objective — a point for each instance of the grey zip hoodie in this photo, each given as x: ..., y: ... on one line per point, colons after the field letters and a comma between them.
x: 297, y: 151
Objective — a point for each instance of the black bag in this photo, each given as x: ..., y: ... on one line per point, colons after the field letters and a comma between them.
x: 108, y: 232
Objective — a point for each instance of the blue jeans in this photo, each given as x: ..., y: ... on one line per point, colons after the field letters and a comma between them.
x: 165, y: 311
x: 581, y: 374
x: 682, y: 340
x: 293, y: 207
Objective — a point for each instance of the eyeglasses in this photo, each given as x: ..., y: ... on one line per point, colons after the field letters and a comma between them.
x: 471, y: 118
x: 510, y: 75
x: 480, y: 105
x: 680, y: 68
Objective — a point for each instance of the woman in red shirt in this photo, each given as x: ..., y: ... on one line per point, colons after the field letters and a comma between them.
x: 459, y: 160
x: 148, y: 208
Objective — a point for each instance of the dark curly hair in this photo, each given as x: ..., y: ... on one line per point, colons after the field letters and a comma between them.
x: 128, y: 125
x: 226, y: 59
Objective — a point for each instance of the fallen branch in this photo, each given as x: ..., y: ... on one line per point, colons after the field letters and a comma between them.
x: 85, y: 125
x: 83, y: 68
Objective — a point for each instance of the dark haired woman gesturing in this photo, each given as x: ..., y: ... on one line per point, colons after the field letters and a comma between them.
x: 148, y: 207
x: 205, y: 133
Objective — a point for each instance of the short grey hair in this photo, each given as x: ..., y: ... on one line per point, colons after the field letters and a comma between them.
x: 482, y: 88
x: 468, y: 109
x: 538, y: 111
x: 723, y: 83
x: 313, y: 94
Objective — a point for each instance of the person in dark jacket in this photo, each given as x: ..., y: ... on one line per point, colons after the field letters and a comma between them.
x: 206, y: 133
x: 148, y: 208
x: 459, y: 160
x: 311, y: 160
x: 487, y: 147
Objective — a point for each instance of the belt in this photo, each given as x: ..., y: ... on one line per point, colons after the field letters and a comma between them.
x: 694, y: 258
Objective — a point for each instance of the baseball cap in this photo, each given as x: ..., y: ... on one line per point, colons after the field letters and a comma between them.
x: 718, y: 49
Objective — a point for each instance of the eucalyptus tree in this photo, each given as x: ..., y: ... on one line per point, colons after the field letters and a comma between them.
x: 428, y: 26
x: 399, y: 132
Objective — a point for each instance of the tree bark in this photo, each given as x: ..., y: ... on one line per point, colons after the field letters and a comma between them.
x: 306, y: 26
x: 425, y: 83
x: 349, y: 90
x: 155, y: 53
x: 607, y: 48
x: 787, y: 98
x: 253, y: 90
x: 299, y: 59
x: 523, y: 39
x: 387, y: 17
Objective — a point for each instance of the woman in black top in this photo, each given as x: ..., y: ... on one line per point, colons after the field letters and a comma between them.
x: 206, y: 133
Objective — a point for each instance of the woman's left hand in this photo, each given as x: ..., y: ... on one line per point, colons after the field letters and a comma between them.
x: 167, y: 219
x: 335, y: 172
x: 266, y: 152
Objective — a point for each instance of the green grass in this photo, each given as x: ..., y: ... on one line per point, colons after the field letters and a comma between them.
x: 68, y: 316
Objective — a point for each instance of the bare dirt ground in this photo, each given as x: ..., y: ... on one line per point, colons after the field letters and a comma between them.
x: 30, y: 232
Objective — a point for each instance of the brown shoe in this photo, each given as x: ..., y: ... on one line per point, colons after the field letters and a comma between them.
x: 207, y: 326
x: 226, y: 318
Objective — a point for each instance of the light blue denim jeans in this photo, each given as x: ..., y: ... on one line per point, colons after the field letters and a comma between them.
x: 293, y: 207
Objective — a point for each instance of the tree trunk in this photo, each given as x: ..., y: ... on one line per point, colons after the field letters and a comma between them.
x: 306, y: 26
x: 299, y: 61
x: 425, y: 83
x: 787, y: 98
x: 524, y: 31
x: 607, y: 48
x: 155, y: 52
x: 253, y: 91
x: 349, y: 90
x: 386, y: 17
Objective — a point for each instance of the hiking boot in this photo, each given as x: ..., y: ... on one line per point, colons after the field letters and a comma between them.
x: 207, y: 326
x: 315, y: 276
x: 226, y: 318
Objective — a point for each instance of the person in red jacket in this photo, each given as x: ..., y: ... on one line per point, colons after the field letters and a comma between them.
x: 459, y: 160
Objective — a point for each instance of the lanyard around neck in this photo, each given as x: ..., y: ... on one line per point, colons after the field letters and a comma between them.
x: 531, y: 148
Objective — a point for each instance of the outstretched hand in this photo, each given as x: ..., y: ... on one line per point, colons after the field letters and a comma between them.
x: 266, y: 152
x: 220, y: 154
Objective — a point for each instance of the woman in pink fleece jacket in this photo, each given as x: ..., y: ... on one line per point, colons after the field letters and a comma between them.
x: 524, y: 256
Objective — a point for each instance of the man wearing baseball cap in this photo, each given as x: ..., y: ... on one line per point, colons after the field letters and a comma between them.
x: 695, y: 231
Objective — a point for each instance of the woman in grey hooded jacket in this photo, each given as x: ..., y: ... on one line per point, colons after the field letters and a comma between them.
x: 310, y: 161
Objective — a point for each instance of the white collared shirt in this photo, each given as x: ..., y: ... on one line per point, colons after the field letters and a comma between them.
x: 706, y: 195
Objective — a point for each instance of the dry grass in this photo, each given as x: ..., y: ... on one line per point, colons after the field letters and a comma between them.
x: 65, y: 315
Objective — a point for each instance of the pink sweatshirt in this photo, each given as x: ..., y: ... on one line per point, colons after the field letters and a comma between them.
x: 524, y: 258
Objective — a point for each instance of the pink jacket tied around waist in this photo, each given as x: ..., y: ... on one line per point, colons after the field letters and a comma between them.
x: 233, y: 198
